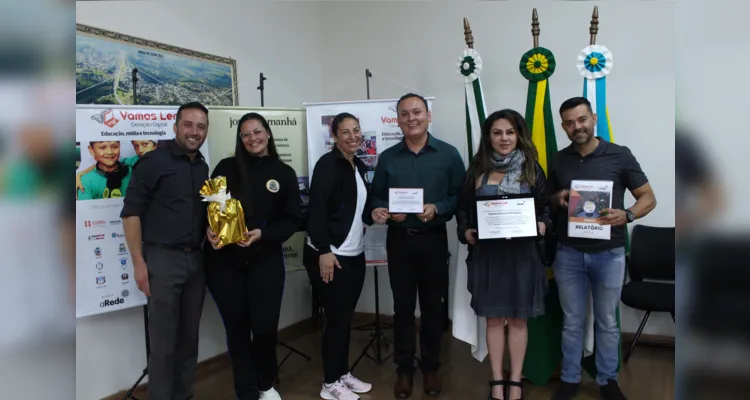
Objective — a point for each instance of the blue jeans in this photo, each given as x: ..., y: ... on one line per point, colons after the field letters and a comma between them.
x: 603, y: 273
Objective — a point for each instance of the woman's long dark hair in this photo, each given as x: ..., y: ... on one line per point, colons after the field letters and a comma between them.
x: 482, y: 162
x: 337, y: 120
x: 243, y: 158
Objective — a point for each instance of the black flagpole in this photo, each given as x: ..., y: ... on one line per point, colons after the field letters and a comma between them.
x: 261, y: 87
x: 129, y: 394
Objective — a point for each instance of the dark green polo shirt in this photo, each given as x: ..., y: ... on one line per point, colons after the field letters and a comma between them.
x: 437, y: 168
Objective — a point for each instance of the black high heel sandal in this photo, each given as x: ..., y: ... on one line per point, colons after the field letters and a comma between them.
x: 516, y: 384
x: 504, y: 384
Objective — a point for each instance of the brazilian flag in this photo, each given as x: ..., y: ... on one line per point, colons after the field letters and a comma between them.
x: 544, y: 351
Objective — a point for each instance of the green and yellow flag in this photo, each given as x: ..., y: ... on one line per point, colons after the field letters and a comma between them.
x: 544, y: 350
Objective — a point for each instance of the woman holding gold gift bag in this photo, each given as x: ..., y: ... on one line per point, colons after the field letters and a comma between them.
x: 334, y: 254
x: 246, y: 279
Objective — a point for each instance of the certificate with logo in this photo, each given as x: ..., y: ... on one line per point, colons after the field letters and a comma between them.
x: 586, y: 200
x: 506, y: 217
x: 405, y: 201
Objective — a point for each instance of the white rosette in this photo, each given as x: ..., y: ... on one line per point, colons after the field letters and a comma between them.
x: 601, y: 65
x: 469, y: 65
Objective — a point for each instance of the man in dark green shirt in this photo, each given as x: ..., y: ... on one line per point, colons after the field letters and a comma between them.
x: 417, y: 244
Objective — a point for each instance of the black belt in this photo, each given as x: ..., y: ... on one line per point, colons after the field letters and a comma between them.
x: 420, y: 231
x: 186, y: 249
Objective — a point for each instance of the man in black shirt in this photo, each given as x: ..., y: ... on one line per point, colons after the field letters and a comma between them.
x: 165, y: 221
x: 597, y: 264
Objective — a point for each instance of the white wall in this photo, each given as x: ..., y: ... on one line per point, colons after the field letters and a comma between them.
x: 417, y: 44
x: 309, y: 51
x: 279, y: 39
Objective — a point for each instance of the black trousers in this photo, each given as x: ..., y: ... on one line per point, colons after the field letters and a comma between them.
x: 178, y: 288
x: 418, y: 264
x: 339, y: 298
x: 248, y: 295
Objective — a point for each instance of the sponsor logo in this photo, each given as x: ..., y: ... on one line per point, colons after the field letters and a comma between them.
x: 110, y: 303
x: 98, y: 252
x: 100, y: 280
x: 115, y: 222
x: 122, y: 249
x: 99, y: 266
x: 272, y: 185
x: 124, y: 262
x: 96, y: 237
x: 116, y: 235
x: 124, y: 276
x: 393, y: 108
x: 125, y: 293
x: 91, y: 224
x: 106, y: 117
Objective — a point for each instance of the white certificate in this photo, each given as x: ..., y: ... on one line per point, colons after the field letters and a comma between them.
x: 406, y: 201
x: 506, y: 218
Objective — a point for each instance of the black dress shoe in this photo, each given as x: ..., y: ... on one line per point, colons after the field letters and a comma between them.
x: 611, y: 391
x: 566, y: 391
x: 403, y: 387
x: 432, y: 384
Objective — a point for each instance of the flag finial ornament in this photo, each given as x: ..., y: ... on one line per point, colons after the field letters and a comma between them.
x: 470, y: 64
x: 594, y: 28
x: 467, y: 34
x: 537, y: 64
x: 535, y: 27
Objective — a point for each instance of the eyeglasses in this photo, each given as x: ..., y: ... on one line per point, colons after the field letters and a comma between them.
x: 257, y: 132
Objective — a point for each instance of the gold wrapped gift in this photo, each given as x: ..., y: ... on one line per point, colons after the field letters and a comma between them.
x: 225, y: 215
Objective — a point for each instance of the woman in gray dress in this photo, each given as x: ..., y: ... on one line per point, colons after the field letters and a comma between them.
x: 506, y: 277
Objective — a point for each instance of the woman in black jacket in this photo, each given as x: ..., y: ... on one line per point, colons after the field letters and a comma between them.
x: 506, y: 277
x: 247, y: 279
x: 334, y: 254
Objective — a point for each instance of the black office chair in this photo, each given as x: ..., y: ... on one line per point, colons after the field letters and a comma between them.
x: 651, y: 259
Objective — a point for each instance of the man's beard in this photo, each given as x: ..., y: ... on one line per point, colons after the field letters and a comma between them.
x: 581, y: 139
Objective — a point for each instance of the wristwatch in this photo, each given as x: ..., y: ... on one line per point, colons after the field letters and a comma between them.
x: 629, y: 214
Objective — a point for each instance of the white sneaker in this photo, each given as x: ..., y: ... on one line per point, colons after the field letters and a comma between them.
x: 270, y: 394
x: 337, y: 391
x: 355, y: 385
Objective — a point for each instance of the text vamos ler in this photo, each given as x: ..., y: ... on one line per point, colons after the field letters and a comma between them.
x: 288, y: 121
x: 152, y: 116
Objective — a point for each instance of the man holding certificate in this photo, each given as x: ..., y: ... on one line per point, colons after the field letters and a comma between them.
x: 502, y: 209
x: 415, y: 190
x: 589, y: 180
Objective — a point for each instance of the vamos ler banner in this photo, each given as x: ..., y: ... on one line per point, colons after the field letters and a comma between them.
x: 109, y: 141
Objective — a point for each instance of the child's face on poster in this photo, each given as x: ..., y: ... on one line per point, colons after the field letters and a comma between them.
x: 142, y: 147
x: 106, y: 154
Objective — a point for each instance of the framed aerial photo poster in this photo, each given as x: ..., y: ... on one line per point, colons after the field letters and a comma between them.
x: 166, y: 75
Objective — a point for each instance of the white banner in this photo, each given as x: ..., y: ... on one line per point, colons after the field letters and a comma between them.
x: 378, y: 121
x: 109, y: 140
x: 288, y: 128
